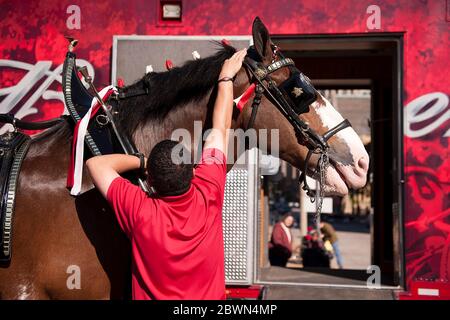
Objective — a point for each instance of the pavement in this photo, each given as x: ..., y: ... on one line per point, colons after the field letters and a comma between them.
x: 354, y: 241
x: 277, y: 292
x: 296, y: 282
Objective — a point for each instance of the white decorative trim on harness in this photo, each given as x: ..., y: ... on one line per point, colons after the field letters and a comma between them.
x: 75, y: 174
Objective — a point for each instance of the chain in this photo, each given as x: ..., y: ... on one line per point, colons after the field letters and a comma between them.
x: 323, y: 164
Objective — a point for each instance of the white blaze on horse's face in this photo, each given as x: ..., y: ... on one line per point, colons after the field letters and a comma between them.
x: 349, y: 161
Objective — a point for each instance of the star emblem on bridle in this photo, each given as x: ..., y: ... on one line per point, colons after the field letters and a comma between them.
x: 297, y: 92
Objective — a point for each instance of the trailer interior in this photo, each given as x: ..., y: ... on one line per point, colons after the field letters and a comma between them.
x: 371, y: 64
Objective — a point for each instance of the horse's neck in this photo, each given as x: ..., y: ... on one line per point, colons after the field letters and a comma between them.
x: 188, y: 119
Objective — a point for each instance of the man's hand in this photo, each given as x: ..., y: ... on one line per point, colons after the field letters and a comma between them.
x: 232, y: 66
x: 104, y: 169
x: 223, y: 107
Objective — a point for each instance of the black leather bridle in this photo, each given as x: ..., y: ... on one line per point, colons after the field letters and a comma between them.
x: 291, y: 105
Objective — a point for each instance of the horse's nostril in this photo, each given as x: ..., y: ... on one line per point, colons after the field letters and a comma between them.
x: 363, y: 164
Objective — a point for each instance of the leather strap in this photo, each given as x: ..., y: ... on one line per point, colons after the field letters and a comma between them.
x: 327, y: 135
x: 259, y: 90
x: 344, y: 124
x: 285, y: 62
x: 141, y: 163
x: 20, y: 124
x: 144, y: 90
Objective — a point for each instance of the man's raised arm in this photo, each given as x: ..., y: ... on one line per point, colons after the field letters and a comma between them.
x: 104, y: 169
x: 223, y: 107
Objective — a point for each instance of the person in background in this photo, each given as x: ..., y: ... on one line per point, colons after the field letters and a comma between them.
x: 313, y: 251
x: 280, y: 245
x: 330, y: 234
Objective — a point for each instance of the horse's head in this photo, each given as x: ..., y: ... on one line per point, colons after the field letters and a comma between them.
x: 349, y: 160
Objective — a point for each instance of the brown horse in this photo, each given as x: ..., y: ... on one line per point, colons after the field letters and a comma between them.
x: 58, y: 237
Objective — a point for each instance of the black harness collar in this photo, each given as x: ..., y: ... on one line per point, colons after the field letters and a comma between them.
x: 103, y: 136
x: 13, y: 148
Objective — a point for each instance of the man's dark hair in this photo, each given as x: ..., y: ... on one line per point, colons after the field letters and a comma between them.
x: 169, y: 177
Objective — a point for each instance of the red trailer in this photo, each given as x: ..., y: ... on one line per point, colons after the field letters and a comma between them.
x: 397, y: 49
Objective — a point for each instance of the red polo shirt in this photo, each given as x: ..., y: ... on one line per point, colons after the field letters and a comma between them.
x: 177, y: 241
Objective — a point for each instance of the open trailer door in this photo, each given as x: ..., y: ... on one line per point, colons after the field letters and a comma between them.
x: 362, y: 77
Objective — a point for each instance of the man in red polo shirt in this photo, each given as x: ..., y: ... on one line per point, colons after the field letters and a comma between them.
x: 176, y: 234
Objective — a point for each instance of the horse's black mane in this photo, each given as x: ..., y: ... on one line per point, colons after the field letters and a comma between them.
x: 169, y: 89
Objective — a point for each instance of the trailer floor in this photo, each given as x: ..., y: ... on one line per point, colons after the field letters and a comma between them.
x: 320, y: 283
x: 285, y: 292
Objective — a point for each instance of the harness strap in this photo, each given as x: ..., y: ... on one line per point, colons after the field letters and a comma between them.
x: 133, y: 93
x: 302, y: 177
x: 285, y: 62
x: 20, y: 124
x: 255, y: 105
x: 326, y: 136
x: 344, y: 124
x: 13, y: 147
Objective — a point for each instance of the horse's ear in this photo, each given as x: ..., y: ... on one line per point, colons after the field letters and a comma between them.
x: 261, y: 39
